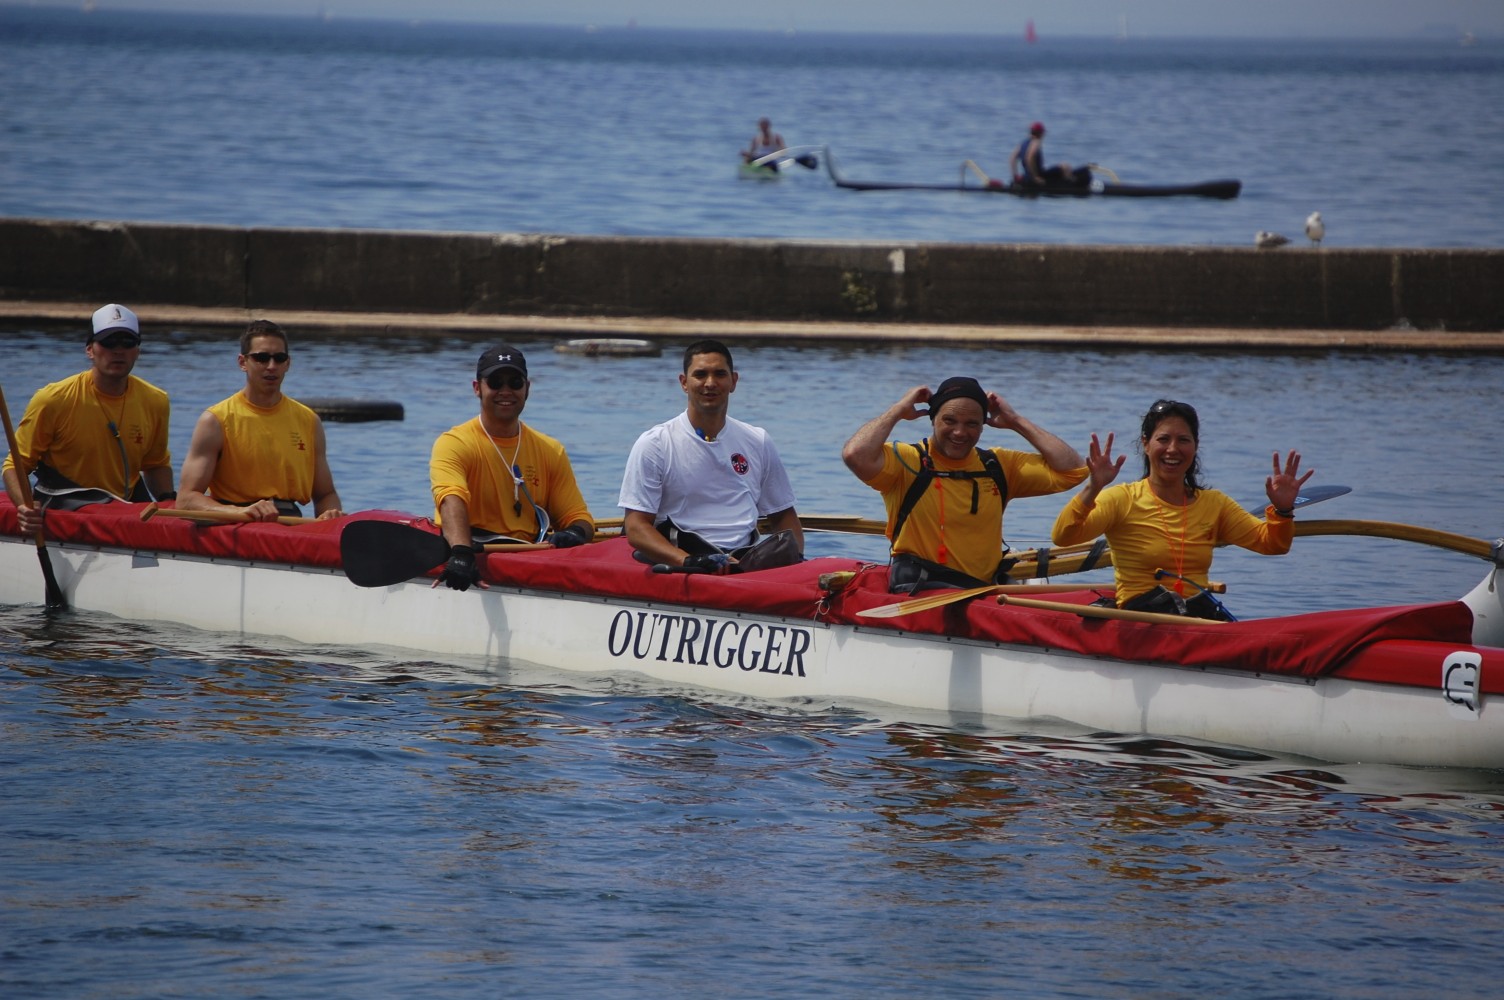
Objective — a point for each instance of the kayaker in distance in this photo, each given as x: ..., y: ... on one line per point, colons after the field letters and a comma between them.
x: 97, y: 436
x: 1027, y: 162
x: 1168, y: 520
x: 695, y: 486
x: 945, y: 496
x: 764, y: 142
x: 494, y: 478
x: 259, y: 452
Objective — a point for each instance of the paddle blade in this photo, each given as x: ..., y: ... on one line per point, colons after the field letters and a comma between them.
x: 55, y: 599
x: 1316, y: 494
x: 381, y: 553
x: 937, y: 600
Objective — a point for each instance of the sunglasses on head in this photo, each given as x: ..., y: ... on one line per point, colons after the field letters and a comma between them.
x: 1171, y: 406
x: 118, y: 341
x: 501, y: 379
x: 267, y: 357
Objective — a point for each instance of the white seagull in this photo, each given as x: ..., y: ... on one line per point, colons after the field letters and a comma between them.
x: 1266, y: 240
x: 1315, y: 228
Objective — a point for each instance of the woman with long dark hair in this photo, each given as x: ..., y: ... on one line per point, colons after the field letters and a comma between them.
x: 1169, y: 520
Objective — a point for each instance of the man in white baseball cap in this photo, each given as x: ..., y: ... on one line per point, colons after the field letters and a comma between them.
x: 97, y: 436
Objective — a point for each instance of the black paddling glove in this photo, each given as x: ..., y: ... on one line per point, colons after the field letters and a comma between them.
x: 576, y: 534
x: 717, y: 563
x: 460, y: 572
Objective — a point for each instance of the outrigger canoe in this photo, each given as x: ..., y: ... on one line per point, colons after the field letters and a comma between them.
x: 1087, y: 185
x: 1416, y: 684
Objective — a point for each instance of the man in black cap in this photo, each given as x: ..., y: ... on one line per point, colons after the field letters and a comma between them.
x: 945, y: 496
x: 495, y: 479
x: 97, y: 436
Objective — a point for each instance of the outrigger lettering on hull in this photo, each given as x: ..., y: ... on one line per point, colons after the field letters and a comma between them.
x: 710, y: 642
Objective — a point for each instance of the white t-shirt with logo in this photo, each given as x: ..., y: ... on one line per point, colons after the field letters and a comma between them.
x: 717, y: 489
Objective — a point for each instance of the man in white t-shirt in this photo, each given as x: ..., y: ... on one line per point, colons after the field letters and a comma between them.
x: 695, y: 486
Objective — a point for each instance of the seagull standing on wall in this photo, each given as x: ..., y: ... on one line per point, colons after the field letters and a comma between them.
x: 1315, y: 228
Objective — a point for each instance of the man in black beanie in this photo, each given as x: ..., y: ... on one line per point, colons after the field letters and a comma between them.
x: 945, y: 495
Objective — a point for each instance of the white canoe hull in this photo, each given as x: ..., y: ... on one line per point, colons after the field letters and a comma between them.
x: 774, y: 659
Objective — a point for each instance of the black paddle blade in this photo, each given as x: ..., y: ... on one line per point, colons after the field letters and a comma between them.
x: 1316, y: 494
x: 808, y: 161
x: 55, y: 599
x: 381, y: 553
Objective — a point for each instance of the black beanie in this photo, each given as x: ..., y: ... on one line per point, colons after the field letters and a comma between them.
x: 958, y: 387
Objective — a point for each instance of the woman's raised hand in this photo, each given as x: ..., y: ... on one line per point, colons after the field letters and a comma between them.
x: 1283, y: 487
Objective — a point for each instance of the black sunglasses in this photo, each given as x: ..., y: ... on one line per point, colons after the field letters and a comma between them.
x: 119, y: 341
x: 498, y: 380
x: 1171, y: 406
x: 266, y: 357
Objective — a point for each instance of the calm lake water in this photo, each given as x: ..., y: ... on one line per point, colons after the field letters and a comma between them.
x: 187, y: 814
x: 192, y: 814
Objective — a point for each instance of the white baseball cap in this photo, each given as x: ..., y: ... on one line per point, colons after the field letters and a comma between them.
x: 108, y: 319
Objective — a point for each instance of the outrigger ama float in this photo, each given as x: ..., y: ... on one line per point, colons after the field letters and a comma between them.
x: 1419, y: 684
x: 1086, y: 184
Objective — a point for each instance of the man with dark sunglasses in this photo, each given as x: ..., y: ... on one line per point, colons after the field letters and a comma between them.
x: 259, y: 451
x: 97, y: 436
x: 495, y: 479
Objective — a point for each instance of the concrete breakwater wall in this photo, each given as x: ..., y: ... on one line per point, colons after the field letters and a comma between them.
x: 355, y: 271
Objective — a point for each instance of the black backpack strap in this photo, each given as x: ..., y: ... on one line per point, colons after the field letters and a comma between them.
x: 922, y: 480
x: 993, y: 469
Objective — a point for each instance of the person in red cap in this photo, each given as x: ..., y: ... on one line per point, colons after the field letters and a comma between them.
x: 97, y: 436
x: 495, y: 479
x: 945, y: 495
x: 1027, y: 162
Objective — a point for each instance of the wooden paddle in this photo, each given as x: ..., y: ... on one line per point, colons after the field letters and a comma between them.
x: 215, y: 516
x: 1479, y: 547
x: 54, y: 594
x: 1118, y: 614
x: 941, y: 598
x: 381, y: 553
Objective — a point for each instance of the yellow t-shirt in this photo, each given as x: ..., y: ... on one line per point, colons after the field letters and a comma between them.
x: 941, y: 527
x: 67, y: 427
x: 268, y: 453
x: 1147, y: 534
x: 468, y: 463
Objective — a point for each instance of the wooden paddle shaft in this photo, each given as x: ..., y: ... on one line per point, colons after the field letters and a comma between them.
x: 214, y: 516
x: 1091, y: 611
x: 23, y: 475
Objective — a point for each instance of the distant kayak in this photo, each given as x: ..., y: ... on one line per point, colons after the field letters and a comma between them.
x: 1085, y: 184
x: 771, y: 166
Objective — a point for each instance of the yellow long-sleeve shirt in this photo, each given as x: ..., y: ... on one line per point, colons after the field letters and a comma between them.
x: 1147, y: 534
x: 941, y: 528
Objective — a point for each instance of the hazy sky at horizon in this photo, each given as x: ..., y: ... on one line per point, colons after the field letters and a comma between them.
x: 1260, y: 18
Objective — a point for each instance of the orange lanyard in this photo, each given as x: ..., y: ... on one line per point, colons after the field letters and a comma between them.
x: 1164, y: 523
x: 940, y: 498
